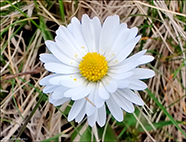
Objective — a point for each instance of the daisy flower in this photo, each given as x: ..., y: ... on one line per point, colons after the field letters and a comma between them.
x: 91, y: 65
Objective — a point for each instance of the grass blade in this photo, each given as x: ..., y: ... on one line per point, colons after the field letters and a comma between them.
x: 62, y: 10
x: 24, y: 14
x: 165, y: 111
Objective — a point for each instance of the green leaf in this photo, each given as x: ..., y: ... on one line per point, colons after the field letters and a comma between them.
x: 74, y: 134
x: 109, y: 135
x: 86, y: 135
x: 54, y: 138
x: 128, y: 122
x: 158, y: 125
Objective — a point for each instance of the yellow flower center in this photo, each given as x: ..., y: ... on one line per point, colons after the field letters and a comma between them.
x: 93, y: 66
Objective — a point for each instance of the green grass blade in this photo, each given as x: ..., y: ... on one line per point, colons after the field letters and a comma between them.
x: 129, y: 123
x: 23, y: 14
x: 14, y: 99
x: 165, y: 111
x: 44, y: 30
x: 41, y: 98
x: 62, y: 10
x: 17, y: 22
x: 176, y: 101
x: 177, y: 71
x: 17, y: 107
x: 158, y: 125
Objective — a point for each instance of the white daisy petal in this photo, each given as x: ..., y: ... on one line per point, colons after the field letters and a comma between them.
x: 125, y: 52
x: 97, y: 28
x: 76, y: 108
x: 119, y: 41
x: 131, y: 60
x: 98, y: 101
x: 88, y: 33
x: 122, y: 83
x: 123, y: 103
x: 123, y: 69
x: 84, y: 93
x: 59, y: 92
x: 46, y: 58
x: 93, y: 118
x: 135, y: 57
x: 124, y: 36
x: 136, y: 84
x: 60, y: 68
x: 68, y: 49
x: 52, y: 46
x: 145, y: 59
x: 131, y: 96
x: 89, y: 107
x: 56, y: 80
x: 107, y: 31
x: 141, y: 73
x: 67, y: 38
x: 101, y: 116
x: 80, y: 115
x: 133, y: 33
x: 45, y: 80
x: 115, y: 109
x: 67, y: 80
x: 120, y: 75
x: 76, y: 91
x: 109, y: 84
x: 58, y: 102
x: 72, y: 82
x: 76, y: 31
x: 102, y: 92
x: 49, y: 88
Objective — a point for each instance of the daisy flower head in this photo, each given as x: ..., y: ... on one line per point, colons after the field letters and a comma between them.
x: 91, y: 65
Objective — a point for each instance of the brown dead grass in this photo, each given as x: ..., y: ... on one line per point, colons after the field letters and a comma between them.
x: 46, y: 122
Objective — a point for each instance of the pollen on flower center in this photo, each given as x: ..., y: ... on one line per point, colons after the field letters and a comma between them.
x: 93, y: 66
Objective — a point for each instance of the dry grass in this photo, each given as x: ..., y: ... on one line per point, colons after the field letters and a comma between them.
x: 26, y: 114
